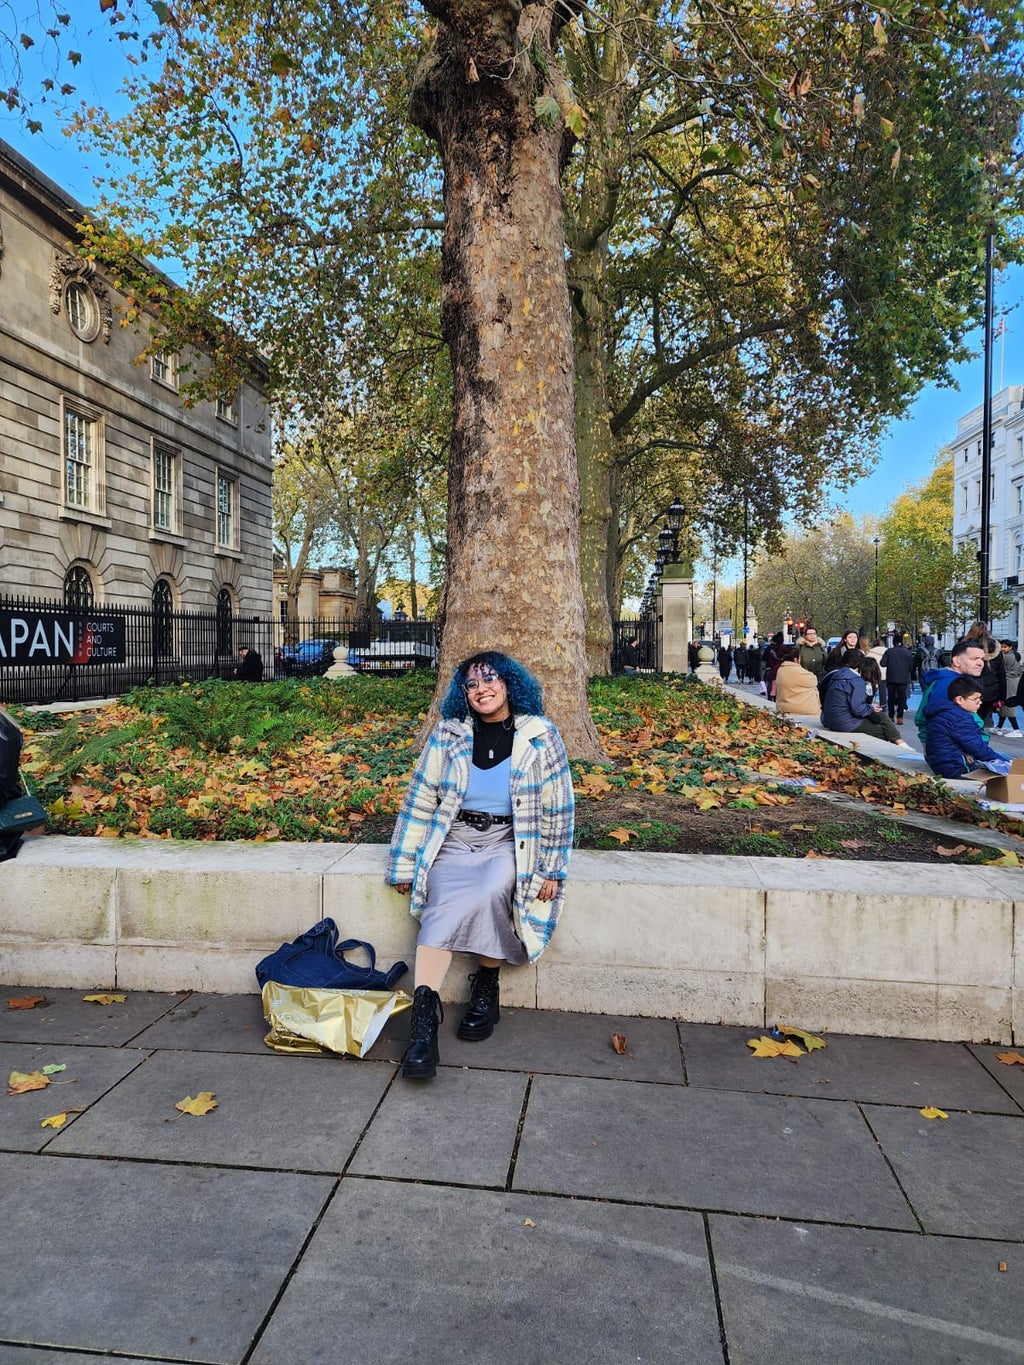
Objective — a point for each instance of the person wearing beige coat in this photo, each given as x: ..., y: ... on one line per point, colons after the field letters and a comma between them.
x: 796, y: 688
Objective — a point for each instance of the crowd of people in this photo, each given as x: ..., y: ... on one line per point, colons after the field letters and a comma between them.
x: 854, y: 684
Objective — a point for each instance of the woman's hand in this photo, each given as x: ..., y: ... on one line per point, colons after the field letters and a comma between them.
x: 548, y: 889
x: 403, y: 888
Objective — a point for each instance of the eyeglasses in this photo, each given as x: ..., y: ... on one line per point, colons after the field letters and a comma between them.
x: 484, y: 676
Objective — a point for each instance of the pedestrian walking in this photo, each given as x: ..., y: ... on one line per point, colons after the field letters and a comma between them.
x: 811, y: 652
x: 724, y: 661
x: 899, y: 665
x: 1014, y: 669
x: 739, y: 656
x: 482, y: 842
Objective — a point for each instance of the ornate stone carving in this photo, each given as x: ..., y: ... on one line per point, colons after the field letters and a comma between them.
x: 66, y: 268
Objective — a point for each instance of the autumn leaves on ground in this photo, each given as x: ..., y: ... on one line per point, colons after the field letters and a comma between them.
x: 691, y: 770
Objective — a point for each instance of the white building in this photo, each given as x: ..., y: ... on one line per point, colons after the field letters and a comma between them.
x: 1005, y: 493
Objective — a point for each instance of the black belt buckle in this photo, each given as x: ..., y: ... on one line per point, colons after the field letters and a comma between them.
x: 479, y: 819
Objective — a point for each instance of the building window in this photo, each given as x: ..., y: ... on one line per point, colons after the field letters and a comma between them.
x: 82, y: 310
x: 963, y: 497
x: 78, y: 589
x: 991, y: 488
x: 165, y: 370
x: 227, y: 511
x: 977, y: 492
x: 1018, y: 498
x: 163, y: 619
x: 227, y: 409
x: 224, y: 613
x: 81, y: 439
x: 164, y: 479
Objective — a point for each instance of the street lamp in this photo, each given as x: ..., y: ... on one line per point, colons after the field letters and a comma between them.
x: 676, y: 516
x: 877, y: 542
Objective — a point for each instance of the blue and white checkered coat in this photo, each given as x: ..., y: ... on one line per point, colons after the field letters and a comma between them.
x: 542, y: 818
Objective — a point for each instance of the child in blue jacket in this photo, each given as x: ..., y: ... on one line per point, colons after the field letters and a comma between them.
x: 955, y: 741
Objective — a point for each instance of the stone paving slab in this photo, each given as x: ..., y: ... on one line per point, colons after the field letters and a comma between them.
x: 878, y: 1070
x: 292, y: 1113
x: 91, y: 1072
x: 461, y: 1276
x: 40, y: 1355
x: 164, y: 1261
x: 67, y: 1018
x: 572, y: 1045
x: 807, y: 1294
x: 962, y: 1174
x: 211, y: 1023
x: 460, y: 1127
x: 1011, y: 1078
x: 795, y: 1158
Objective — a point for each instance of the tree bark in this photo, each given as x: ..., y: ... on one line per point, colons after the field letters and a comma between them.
x: 513, y: 572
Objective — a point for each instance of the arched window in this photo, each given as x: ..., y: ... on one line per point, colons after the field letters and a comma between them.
x: 224, y: 613
x: 163, y: 623
x: 78, y: 589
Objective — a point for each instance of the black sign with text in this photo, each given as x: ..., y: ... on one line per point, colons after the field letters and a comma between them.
x: 61, y: 637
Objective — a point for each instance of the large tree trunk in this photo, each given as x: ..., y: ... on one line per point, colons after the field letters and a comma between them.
x: 513, y: 574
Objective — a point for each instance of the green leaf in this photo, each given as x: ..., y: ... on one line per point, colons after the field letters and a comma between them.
x: 887, y: 128
x: 547, y: 110
x: 162, y: 11
x: 53, y: 1068
x: 282, y: 62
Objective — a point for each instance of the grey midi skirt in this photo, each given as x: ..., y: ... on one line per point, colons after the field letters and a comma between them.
x: 470, y: 890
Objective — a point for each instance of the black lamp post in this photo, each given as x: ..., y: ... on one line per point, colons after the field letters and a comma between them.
x: 676, y: 516
x: 877, y: 542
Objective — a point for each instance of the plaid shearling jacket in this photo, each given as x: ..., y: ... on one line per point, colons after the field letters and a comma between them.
x: 542, y: 818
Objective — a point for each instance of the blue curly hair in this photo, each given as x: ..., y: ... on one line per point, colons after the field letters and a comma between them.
x: 524, y: 692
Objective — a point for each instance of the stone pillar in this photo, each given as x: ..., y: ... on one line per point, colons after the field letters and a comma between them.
x: 674, y: 608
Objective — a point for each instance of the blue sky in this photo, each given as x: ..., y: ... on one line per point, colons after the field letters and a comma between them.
x: 908, y: 451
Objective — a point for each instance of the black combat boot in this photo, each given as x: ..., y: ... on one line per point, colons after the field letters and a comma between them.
x: 483, y: 1013
x: 421, y: 1057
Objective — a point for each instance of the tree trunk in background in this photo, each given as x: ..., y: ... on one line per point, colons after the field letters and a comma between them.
x: 513, y: 573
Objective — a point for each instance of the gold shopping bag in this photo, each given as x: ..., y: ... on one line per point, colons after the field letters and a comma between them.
x: 307, y: 1020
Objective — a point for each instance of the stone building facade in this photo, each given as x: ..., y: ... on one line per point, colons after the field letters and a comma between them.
x: 111, y: 489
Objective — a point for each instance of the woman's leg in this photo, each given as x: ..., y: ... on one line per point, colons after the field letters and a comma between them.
x: 431, y: 966
x: 881, y: 727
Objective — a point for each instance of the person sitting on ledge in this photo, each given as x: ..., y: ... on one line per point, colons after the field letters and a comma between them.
x: 796, y: 688
x: 845, y: 706
x: 956, y: 736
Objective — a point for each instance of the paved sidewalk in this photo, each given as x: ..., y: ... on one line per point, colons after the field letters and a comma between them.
x: 544, y: 1202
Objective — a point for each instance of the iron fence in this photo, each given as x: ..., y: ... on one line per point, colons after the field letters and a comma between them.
x: 644, y: 631
x: 174, y: 646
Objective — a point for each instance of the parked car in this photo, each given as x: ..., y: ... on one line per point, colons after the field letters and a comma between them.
x: 403, y: 645
x: 311, y: 658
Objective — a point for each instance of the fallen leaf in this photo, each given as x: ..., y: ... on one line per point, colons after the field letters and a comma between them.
x: 529, y: 1223
x: 932, y: 1113
x: 53, y: 1068
x: 1002, y: 1267
x: 26, y: 1002
x: 809, y: 1040
x: 1007, y: 860
x: 854, y: 843
x: 619, y: 1044
x: 770, y: 1047
x: 202, y: 1104
x: 105, y: 999
x: 622, y: 835
x: 59, y: 1120
x: 1009, y: 1058
x: 20, y: 1082
x: 950, y: 852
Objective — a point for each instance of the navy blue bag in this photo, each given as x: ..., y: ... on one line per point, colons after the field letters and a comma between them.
x: 318, y: 960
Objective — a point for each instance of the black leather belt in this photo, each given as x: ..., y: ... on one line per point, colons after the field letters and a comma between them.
x: 482, y: 819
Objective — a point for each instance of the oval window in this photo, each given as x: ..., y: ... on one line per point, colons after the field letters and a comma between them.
x: 82, y: 310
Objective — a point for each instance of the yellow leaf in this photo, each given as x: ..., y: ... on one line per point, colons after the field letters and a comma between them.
x: 681, y: 737
x: 932, y: 1113
x: 20, y: 1082
x: 810, y: 1042
x: 202, y: 1104
x: 770, y: 1047
x: 1007, y: 860
x: 106, y: 998
x: 59, y: 1120
x: 622, y: 835
x: 529, y: 1223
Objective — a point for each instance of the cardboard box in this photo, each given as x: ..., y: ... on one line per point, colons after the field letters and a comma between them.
x: 1009, y: 788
